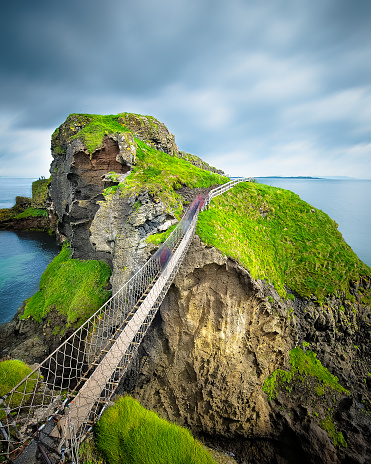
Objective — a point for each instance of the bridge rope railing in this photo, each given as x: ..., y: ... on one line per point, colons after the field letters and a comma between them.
x: 57, y: 404
x: 223, y: 188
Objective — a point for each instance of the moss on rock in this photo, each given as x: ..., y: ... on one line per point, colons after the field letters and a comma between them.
x: 303, y: 363
x: 337, y: 437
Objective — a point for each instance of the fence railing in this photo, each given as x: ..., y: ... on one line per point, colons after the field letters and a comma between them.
x: 223, y: 188
x: 58, y: 402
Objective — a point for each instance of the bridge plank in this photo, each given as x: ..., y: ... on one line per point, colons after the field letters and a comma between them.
x: 81, y: 406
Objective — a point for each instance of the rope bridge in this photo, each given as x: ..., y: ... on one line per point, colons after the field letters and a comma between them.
x: 52, y: 409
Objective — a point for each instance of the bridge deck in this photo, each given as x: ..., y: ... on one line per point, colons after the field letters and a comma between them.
x: 80, y: 407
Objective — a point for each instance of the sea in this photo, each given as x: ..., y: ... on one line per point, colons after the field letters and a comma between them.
x: 25, y: 255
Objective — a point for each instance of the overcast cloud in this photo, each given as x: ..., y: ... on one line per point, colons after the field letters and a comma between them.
x: 277, y: 87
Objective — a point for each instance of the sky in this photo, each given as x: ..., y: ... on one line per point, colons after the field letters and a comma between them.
x: 275, y: 87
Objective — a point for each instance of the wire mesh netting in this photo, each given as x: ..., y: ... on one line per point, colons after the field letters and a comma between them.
x: 59, y: 401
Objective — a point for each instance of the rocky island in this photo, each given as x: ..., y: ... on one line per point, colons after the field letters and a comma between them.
x: 262, y: 345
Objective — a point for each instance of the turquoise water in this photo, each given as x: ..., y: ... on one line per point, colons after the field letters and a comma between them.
x: 24, y: 256
x: 346, y: 201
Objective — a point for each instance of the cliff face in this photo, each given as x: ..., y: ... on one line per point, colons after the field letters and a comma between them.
x: 77, y: 184
x: 220, y: 334
x: 222, y: 338
x: 216, y: 342
x: 88, y: 199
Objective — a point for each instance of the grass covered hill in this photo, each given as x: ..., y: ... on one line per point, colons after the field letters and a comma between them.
x: 282, y: 239
x: 75, y: 288
x: 163, y: 174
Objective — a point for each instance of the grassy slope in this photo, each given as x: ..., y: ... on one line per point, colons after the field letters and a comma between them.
x: 161, y: 173
x: 32, y: 212
x: 128, y: 433
x: 74, y: 288
x: 294, y: 244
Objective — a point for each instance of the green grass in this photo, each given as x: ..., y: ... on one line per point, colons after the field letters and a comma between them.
x: 12, y: 372
x: 8, y: 214
x: 40, y: 192
x: 32, y: 212
x: 292, y: 245
x: 127, y: 433
x: 75, y: 288
x: 303, y: 363
x: 337, y: 437
x: 99, y: 126
x: 161, y: 174
x: 156, y: 239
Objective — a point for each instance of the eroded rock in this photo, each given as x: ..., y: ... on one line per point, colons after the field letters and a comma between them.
x: 120, y: 228
x: 151, y: 131
x: 220, y: 334
x: 76, y: 187
x: 215, y: 347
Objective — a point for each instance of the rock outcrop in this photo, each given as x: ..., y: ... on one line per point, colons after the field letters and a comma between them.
x: 151, y: 131
x: 120, y: 228
x: 29, y: 340
x: 77, y: 185
x: 40, y: 193
x: 220, y: 334
x: 22, y: 217
x: 200, y: 163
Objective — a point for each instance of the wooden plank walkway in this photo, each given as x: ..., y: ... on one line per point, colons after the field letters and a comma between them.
x: 81, y: 406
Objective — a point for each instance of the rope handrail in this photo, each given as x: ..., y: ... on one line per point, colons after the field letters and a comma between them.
x: 60, y: 400
x: 223, y: 188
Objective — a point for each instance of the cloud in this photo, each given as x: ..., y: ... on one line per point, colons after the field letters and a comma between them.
x: 277, y: 86
x: 352, y: 105
x: 24, y: 152
x: 297, y: 158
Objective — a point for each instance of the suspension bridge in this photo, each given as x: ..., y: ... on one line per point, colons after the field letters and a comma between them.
x: 51, y: 410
